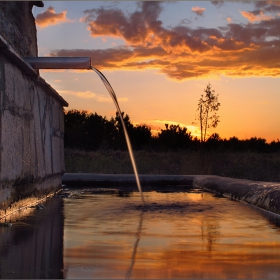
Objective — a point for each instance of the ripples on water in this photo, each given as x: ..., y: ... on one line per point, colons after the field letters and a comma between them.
x: 177, y: 235
x: 107, y: 233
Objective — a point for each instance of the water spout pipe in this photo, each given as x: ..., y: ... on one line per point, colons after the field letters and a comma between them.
x: 85, y: 63
x: 59, y: 62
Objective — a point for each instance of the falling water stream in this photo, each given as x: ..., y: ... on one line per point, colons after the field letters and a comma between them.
x: 114, y: 97
x: 85, y: 63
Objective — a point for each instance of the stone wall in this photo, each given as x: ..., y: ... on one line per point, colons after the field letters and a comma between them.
x: 17, y: 26
x: 31, y: 115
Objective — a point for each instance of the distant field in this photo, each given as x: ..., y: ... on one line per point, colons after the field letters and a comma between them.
x: 244, y: 165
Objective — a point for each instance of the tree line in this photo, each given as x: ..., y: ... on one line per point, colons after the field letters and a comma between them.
x: 90, y: 131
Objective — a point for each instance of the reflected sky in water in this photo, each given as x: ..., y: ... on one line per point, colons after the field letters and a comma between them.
x: 178, y: 235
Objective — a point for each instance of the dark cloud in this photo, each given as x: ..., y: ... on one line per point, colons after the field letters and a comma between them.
x: 182, y: 52
x: 267, y: 6
x: 108, y: 58
x: 135, y: 28
x: 218, y: 4
x: 185, y: 21
x: 263, y: 11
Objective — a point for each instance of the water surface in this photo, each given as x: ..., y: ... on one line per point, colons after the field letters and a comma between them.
x: 107, y: 233
x: 178, y: 235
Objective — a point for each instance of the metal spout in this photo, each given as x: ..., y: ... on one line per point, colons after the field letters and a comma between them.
x: 59, y: 62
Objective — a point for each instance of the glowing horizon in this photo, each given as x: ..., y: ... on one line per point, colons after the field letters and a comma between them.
x: 159, y: 65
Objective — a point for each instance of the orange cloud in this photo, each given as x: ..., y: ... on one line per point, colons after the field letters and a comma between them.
x: 251, y: 17
x: 50, y: 17
x: 182, y: 52
x: 199, y: 11
x: 219, y: 40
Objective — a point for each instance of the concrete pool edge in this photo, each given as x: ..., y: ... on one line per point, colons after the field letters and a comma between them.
x: 265, y: 195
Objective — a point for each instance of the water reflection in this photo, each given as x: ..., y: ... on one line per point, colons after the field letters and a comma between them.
x: 209, y: 232
x: 32, y: 247
x: 138, y: 235
x: 110, y: 235
x: 180, y: 235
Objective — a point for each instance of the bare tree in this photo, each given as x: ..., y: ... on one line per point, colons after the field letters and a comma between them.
x: 207, y: 117
x: 208, y: 105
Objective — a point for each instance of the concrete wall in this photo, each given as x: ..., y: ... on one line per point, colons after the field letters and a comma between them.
x: 31, y: 114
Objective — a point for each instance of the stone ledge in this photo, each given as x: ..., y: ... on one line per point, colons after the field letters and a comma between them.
x: 24, y: 188
x: 265, y: 195
x: 9, y: 52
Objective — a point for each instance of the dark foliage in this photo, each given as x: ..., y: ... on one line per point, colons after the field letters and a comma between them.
x: 233, y: 144
x: 92, y: 132
x: 173, y: 137
x: 88, y: 131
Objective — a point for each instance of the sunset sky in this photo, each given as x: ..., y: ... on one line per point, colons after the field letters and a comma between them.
x: 160, y: 56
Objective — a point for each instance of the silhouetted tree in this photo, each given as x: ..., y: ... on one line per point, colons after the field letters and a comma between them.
x: 174, y: 137
x: 74, y: 134
x: 85, y: 130
x: 140, y: 135
x: 208, y: 105
x: 233, y: 144
x: 213, y: 142
x: 274, y: 146
x: 255, y: 144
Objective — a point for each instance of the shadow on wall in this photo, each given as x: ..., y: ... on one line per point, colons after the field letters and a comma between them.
x: 33, y: 247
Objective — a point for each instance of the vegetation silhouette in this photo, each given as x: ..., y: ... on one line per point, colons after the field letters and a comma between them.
x: 173, y: 137
x: 90, y: 131
x: 207, y: 108
x: 207, y: 117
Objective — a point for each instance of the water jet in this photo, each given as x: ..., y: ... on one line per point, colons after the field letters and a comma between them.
x: 85, y: 63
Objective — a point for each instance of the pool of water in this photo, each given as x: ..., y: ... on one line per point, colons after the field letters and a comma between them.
x: 109, y: 234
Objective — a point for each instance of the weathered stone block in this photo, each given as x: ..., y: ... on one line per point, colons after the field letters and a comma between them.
x: 18, y: 27
x: 31, y: 113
